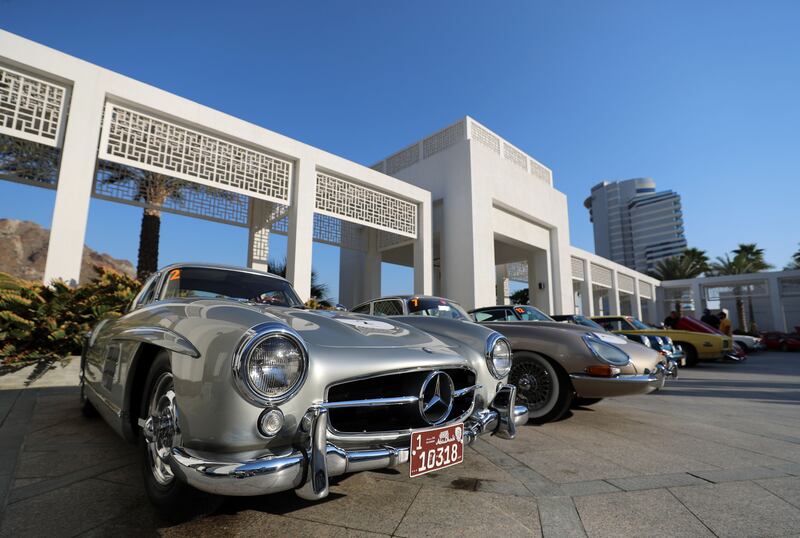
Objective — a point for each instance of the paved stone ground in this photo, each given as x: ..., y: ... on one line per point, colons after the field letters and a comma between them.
x: 717, y: 453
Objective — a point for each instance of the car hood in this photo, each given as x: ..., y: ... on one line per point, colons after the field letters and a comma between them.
x: 332, y: 328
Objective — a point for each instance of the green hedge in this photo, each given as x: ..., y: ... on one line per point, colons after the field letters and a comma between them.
x: 45, y: 322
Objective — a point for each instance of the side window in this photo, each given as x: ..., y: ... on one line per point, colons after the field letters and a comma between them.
x: 495, y: 314
x: 388, y: 308
x: 612, y: 325
x: 146, y: 295
x: 363, y: 309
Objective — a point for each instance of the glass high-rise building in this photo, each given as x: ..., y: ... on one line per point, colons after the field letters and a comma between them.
x: 634, y: 225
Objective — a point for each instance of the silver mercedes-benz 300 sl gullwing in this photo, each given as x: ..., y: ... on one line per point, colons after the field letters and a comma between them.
x: 232, y: 387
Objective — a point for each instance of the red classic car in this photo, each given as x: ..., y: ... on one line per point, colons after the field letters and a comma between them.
x: 782, y: 341
x: 688, y: 323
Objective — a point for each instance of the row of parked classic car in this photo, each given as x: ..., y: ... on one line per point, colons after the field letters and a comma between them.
x: 231, y: 386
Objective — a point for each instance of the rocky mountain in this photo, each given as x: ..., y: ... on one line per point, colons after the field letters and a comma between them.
x: 23, y: 251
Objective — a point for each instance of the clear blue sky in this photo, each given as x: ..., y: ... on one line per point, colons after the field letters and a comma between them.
x: 701, y: 96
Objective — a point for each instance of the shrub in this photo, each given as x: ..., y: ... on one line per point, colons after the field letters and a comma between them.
x: 46, y: 322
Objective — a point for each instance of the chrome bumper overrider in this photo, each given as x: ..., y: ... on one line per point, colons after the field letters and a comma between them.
x: 307, y: 470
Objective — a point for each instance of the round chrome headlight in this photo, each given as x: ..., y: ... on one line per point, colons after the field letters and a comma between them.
x: 606, y: 352
x: 270, y: 364
x: 498, y: 356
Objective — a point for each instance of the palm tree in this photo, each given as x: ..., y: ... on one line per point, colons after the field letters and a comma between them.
x: 795, y: 263
x: 319, y: 290
x: 756, y: 257
x: 741, y: 264
x: 153, y: 190
x: 27, y: 161
x: 692, y: 263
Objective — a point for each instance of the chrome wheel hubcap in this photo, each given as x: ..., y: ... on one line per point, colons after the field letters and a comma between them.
x: 160, y: 428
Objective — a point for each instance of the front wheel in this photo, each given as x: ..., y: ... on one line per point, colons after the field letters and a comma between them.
x: 175, y: 500
x: 541, y: 387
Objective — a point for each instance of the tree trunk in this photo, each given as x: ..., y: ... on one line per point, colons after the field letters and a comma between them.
x: 751, y: 318
x: 148, y: 243
x: 740, y: 314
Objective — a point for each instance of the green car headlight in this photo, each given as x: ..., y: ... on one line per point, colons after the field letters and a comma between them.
x: 606, y: 352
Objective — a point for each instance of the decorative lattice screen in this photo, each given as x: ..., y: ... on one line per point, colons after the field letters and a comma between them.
x: 486, y: 138
x: 443, y: 139
x: 517, y: 271
x: 28, y: 162
x: 32, y: 108
x: 359, y: 204
x: 577, y: 268
x: 601, y: 276
x: 515, y: 156
x: 330, y: 230
x: 137, y: 139
x: 540, y: 172
x: 402, y: 159
x: 134, y: 186
x: 645, y: 290
x: 625, y: 283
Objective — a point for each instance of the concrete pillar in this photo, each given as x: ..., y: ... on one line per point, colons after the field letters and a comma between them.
x: 776, y: 305
x: 75, y: 180
x: 559, y: 267
x: 301, y: 228
x: 539, y: 273
x: 637, y: 300
x: 697, y: 298
x: 371, y: 268
x: 587, y: 293
x: 613, y: 295
x: 502, y: 291
x: 423, y: 250
x: 258, y: 235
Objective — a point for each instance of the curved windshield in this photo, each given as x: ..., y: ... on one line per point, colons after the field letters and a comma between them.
x: 640, y: 326
x: 436, y: 306
x: 208, y: 283
x: 529, y: 313
x: 586, y: 322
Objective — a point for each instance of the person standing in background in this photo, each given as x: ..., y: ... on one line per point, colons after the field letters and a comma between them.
x: 710, y: 319
x: 725, y: 324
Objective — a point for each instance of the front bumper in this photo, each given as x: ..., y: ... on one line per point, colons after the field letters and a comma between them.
x: 308, y: 469
x: 587, y: 386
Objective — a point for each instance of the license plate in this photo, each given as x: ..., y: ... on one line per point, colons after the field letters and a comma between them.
x: 436, y: 449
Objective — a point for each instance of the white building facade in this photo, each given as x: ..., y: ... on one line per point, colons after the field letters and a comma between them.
x: 634, y: 225
x: 466, y: 209
x: 771, y: 299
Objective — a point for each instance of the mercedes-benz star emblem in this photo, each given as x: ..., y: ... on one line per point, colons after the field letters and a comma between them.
x: 436, y: 398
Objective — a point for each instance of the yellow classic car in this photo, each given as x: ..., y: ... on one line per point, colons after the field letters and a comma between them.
x: 697, y: 346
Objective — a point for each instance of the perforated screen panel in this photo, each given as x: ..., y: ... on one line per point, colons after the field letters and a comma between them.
x: 577, y: 269
x: 601, y: 275
x: 645, y: 290
x: 625, y: 283
x: 32, y: 108
x: 356, y: 203
x: 137, y: 139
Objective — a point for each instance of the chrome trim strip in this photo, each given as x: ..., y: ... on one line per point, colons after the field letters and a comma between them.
x: 294, y: 468
x: 466, y: 390
x: 375, y: 402
x: 161, y: 337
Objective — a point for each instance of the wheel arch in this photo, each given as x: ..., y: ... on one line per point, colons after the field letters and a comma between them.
x: 134, y: 388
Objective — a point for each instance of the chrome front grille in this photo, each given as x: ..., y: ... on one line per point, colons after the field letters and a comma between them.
x: 391, y: 402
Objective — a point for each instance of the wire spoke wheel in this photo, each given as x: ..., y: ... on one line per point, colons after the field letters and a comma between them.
x: 534, y: 384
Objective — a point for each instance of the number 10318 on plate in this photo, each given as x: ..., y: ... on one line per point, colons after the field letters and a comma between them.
x: 436, y: 449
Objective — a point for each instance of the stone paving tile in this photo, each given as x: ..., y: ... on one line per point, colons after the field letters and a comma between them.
x: 360, y: 501
x: 743, y: 473
x: 640, y: 513
x: 591, y: 487
x: 466, y: 514
x: 740, y: 509
x: 257, y: 524
x: 788, y: 468
x: 559, y: 518
x: 572, y: 465
x: 55, y: 513
x: 787, y: 488
x: 635, y: 483
x: 53, y: 463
